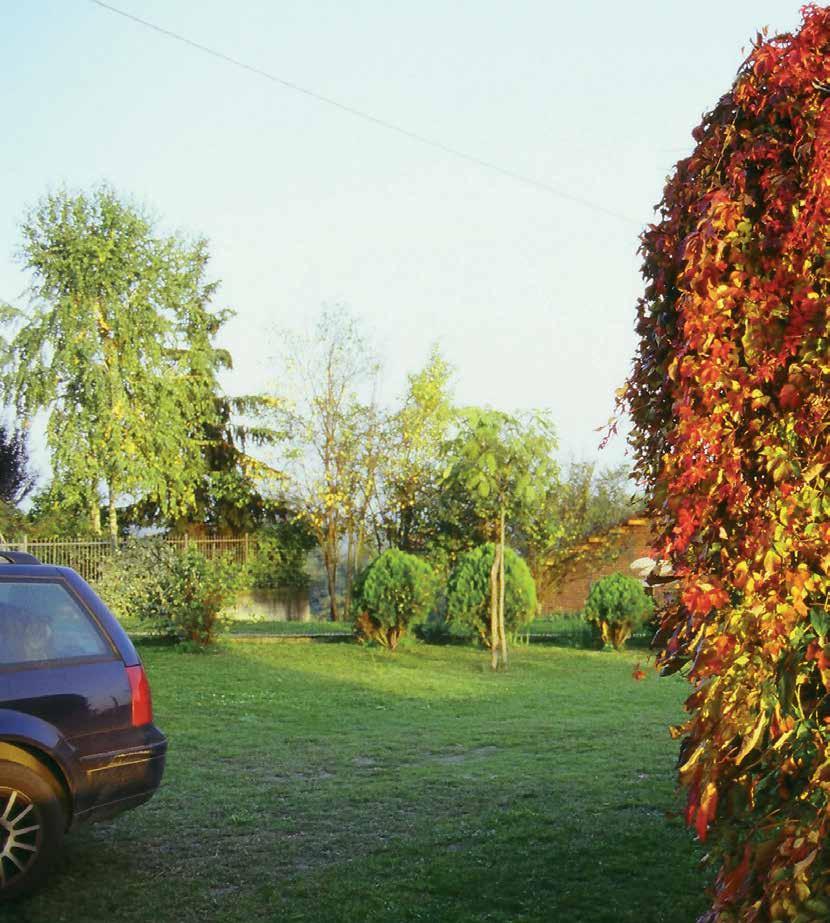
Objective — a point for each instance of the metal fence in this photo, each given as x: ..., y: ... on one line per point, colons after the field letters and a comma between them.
x: 87, y: 557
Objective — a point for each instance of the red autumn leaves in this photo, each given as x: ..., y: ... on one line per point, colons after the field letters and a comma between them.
x: 730, y: 396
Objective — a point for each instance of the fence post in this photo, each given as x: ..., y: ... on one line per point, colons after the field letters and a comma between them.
x: 245, y: 555
x: 24, y: 545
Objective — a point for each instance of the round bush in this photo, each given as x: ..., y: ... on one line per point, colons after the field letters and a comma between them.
x: 617, y: 604
x: 394, y: 592
x: 468, y: 592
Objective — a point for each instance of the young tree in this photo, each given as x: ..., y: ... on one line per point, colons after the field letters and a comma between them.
x: 334, y: 425
x: 110, y: 307
x: 470, y: 592
x: 501, y: 462
x: 730, y: 395
x: 410, y: 471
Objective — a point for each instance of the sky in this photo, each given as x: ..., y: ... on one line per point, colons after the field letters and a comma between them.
x: 530, y: 295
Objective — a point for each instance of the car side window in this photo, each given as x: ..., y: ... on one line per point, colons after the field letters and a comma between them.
x: 41, y: 621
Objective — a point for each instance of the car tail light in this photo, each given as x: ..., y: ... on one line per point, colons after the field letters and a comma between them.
x: 142, y: 700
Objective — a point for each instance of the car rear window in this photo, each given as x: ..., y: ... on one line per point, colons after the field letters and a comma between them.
x: 40, y: 621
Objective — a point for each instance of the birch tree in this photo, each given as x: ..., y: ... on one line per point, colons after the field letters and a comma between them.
x: 96, y: 349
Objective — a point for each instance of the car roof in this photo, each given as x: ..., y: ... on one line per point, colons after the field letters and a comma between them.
x: 17, y: 557
x: 30, y: 570
x: 22, y: 564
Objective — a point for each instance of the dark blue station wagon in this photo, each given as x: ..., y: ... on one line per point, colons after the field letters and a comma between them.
x: 77, y: 739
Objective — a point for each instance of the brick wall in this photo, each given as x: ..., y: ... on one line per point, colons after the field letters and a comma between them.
x: 628, y: 542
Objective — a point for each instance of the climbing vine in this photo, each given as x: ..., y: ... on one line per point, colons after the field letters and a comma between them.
x: 730, y: 398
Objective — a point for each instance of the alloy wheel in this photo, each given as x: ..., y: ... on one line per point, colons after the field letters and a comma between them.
x: 20, y: 835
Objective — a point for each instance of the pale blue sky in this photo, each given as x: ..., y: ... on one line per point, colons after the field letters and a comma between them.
x: 530, y: 296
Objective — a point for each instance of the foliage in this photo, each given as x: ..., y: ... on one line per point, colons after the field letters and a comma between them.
x: 618, y: 605
x: 585, y: 504
x: 12, y: 522
x: 279, y: 556
x: 395, y: 592
x: 134, y: 583
x: 16, y: 480
x: 105, y: 348
x: 730, y: 399
x: 410, y: 490
x: 203, y: 590
x: 58, y: 513
x: 174, y: 593
x: 469, y: 592
x: 500, y: 460
x: 236, y: 492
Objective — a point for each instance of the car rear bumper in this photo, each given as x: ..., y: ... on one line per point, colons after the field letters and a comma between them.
x: 121, y: 780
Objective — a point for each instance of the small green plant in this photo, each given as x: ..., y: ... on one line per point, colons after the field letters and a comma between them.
x: 468, y: 592
x: 175, y: 594
x: 396, y: 591
x: 617, y: 605
x: 203, y: 590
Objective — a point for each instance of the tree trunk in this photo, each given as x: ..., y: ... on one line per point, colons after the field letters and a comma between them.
x: 329, y: 546
x: 112, y: 517
x: 331, y: 580
x: 95, y: 514
x: 347, y: 592
x: 502, y: 634
x: 494, y: 610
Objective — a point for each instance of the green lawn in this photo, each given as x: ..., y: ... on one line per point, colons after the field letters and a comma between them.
x: 269, y: 627
x: 322, y: 782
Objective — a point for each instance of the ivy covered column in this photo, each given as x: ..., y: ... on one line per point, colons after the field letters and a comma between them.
x: 730, y: 396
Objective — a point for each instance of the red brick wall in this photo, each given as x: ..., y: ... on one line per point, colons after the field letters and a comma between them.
x: 632, y: 542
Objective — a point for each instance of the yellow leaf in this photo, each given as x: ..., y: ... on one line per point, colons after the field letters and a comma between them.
x: 751, y: 742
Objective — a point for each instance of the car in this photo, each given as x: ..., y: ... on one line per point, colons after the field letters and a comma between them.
x: 77, y: 738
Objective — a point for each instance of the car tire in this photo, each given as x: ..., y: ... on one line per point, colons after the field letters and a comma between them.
x: 32, y: 823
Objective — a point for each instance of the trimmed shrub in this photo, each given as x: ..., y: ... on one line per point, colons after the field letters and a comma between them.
x: 617, y: 605
x: 175, y: 594
x: 468, y: 592
x: 395, y: 592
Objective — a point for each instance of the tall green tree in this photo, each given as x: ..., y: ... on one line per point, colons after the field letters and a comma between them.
x: 99, y: 348
x: 502, y: 462
x: 237, y: 491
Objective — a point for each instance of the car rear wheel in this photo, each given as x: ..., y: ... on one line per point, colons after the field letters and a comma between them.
x: 31, y: 829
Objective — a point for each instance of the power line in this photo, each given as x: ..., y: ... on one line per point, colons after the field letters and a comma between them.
x: 374, y: 120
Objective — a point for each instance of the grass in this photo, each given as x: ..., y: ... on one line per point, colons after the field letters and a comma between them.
x: 261, y: 627
x: 340, y: 783
x: 567, y: 629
